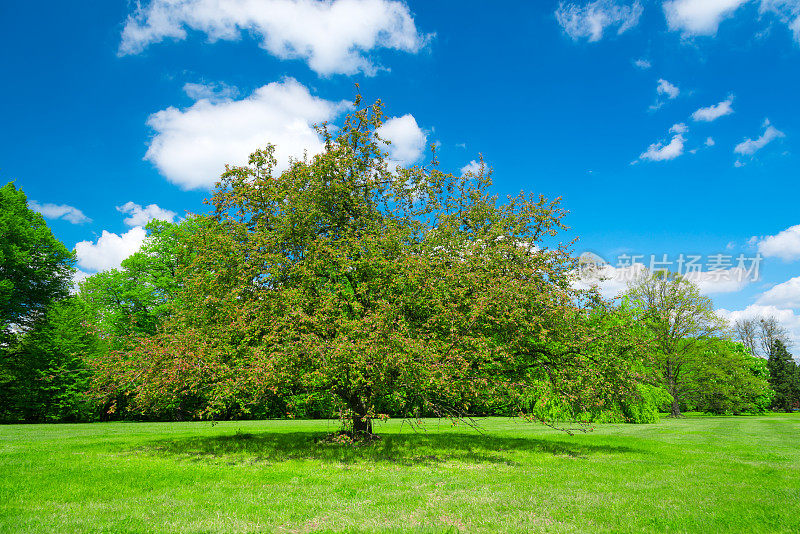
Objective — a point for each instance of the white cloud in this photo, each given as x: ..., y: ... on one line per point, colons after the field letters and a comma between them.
x: 712, y: 113
x: 787, y: 11
x: 590, y: 20
x: 679, y: 128
x: 109, y: 250
x: 665, y: 88
x: 785, y: 245
x: 192, y: 146
x: 664, y: 152
x: 140, y: 216
x: 703, y: 17
x: 613, y: 281
x: 332, y: 36
x: 610, y: 281
x: 210, y: 91
x: 720, y: 281
x: 60, y: 211
x: 749, y: 146
x: 642, y: 64
x: 407, y: 139
x: 785, y: 295
x: 710, y: 141
x: 473, y: 166
x: 786, y: 317
x: 77, y: 277
x: 699, y: 17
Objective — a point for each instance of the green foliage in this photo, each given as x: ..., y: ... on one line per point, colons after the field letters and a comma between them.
x: 406, y: 291
x: 646, y: 405
x: 721, y: 377
x: 784, y: 377
x: 35, y: 267
x: 46, y: 375
x: 135, y: 299
x: 678, y: 317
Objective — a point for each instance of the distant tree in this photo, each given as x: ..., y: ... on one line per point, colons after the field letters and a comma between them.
x: 770, y: 332
x: 35, y: 268
x: 747, y: 332
x: 722, y: 377
x: 783, y: 377
x: 47, y: 372
x: 136, y: 298
x: 405, y: 290
x: 37, y: 331
x: 679, y: 318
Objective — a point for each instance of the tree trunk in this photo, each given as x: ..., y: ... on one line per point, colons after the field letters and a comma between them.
x: 673, y: 390
x: 361, y: 427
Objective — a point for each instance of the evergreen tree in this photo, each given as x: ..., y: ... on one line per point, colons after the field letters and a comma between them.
x: 783, y: 377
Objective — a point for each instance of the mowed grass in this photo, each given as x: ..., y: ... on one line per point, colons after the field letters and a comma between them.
x: 699, y: 474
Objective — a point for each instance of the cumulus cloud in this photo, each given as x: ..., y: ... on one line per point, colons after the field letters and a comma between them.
x: 785, y: 295
x: 332, y: 36
x: 139, y: 216
x: 610, y: 281
x: 712, y: 113
x: 703, y: 17
x: 710, y: 141
x: 720, y: 281
x: 699, y: 17
x: 749, y: 146
x: 667, y: 89
x: 589, y: 21
x: 613, y: 281
x: 406, y: 139
x: 473, y: 167
x: 60, y: 211
x: 784, y: 245
x: 642, y: 64
x: 109, y: 250
x: 191, y: 146
x: 664, y: 152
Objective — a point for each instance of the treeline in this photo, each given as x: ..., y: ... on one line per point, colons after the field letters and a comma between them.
x: 346, y: 287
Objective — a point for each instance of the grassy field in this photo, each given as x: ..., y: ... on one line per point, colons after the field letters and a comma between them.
x: 699, y: 474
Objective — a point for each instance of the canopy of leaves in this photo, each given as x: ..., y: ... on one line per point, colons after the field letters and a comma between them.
x: 136, y: 298
x: 35, y: 267
x: 386, y: 287
x: 722, y: 377
x: 784, y: 377
x: 44, y: 374
x: 678, y: 317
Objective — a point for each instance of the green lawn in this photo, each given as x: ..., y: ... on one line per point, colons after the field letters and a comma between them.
x: 700, y: 474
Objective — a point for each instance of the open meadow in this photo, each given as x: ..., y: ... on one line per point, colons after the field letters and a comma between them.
x: 697, y: 474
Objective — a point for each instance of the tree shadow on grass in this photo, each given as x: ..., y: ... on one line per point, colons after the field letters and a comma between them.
x: 401, y: 449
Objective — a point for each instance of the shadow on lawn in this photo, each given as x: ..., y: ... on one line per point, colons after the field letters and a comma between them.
x: 403, y: 449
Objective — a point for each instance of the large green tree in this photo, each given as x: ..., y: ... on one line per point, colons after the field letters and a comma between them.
x: 679, y: 317
x: 35, y: 267
x: 43, y: 336
x: 389, y: 288
x: 722, y: 377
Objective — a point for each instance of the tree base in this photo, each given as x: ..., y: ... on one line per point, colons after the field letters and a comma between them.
x: 345, y: 437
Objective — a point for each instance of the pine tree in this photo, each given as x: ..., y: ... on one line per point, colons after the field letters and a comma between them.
x: 783, y: 377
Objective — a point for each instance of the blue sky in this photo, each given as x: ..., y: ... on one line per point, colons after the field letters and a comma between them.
x: 667, y: 127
